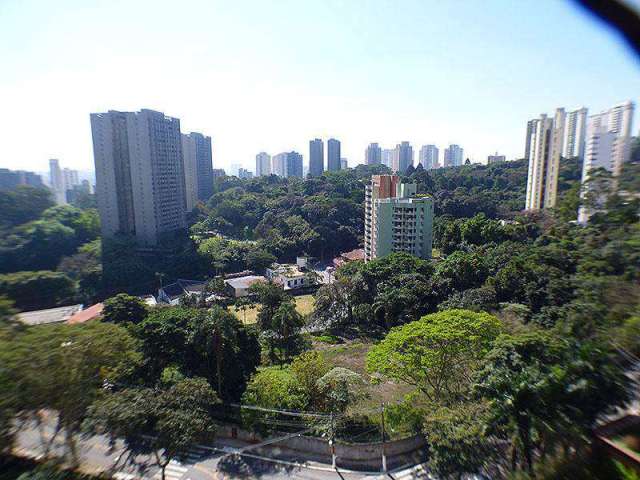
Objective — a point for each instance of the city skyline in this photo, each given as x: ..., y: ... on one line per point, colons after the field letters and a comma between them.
x: 438, y: 101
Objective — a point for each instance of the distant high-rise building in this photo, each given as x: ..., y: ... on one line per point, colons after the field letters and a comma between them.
x: 218, y: 172
x: 140, y: 184
x: 396, y: 220
x: 575, y: 127
x: 495, y: 158
x: 608, y: 146
x: 279, y: 164
x: 263, y: 164
x: 316, y: 157
x: 545, y: 136
x: 333, y: 155
x: 344, y: 164
x: 56, y: 181
x: 293, y: 165
x: 10, y: 179
x: 387, y: 157
x: 429, y: 157
x: 373, y: 154
x: 453, y: 156
x: 244, y: 173
x: 198, y: 168
x: 402, y: 157
x: 235, y: 169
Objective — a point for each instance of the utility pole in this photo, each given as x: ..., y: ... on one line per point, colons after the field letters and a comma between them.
x: 332, y: 444
x: 384, y: 457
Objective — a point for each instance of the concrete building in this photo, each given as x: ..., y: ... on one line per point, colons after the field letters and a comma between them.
x: 396, y: 220
x: 140, y: 184
x: 333, y: 155
x: 289, y: 276
x: 344, y: 164
x: 316, y: 157
x: 293, y: 165
x: 56, y: 181
x: 575, y: 127
x: 608, y: 146
x: 10, y: 179
x: 279, y: 164
x: 373, y: 154
x: 402, y: 157
x: 239, y: 286
x: 495, y: 158
x: 244, y: 173
x: 198, y: 167
x: 263, y: 164
x: 453, y: 156
x: 545, y: 137
x: 387, y: 157
x: 429, y: 157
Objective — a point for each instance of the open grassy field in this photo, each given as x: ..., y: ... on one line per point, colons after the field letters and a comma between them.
x: 304, y: 305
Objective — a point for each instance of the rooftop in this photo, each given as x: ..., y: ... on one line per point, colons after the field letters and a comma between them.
x: 244, y: 282
x: 50, y: 315
x: 91, y: 313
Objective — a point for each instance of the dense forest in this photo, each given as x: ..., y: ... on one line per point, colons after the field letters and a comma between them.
x: 503, y: 350
x: 245, y: 224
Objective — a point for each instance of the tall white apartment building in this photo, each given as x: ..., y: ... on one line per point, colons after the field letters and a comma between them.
x: 263, y: 164
x: 56, y: 181
x: 387, y: 157
x: 575, y: 127
x: 453, y: 156
x: 279, y: 164
x: 373, y: 154
x: 608, y: 145
x: 429, y: 157
x: 140, y: 182
x: 198, y: 168
x: 545, y: 138
x: 402, y: 157
x: 396, y: 220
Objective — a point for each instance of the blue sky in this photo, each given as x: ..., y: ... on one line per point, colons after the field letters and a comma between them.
x: 270, y: 75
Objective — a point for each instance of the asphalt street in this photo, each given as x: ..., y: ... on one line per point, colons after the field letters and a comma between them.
x: 213, y: 462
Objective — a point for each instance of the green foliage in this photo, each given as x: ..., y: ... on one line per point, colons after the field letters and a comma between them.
x: 172, y: 420
x: 23, y: 204
x: 308, y: 368
x: 275, y: 387
x: 458, y: 442
x: 85, y: 267
x: 211, y: 344
x: 63, y: 368
x: 436, y: 354
x: 340, y: 388
x: 544, y: 392
x: 124, y: 309
x: 37, y: 290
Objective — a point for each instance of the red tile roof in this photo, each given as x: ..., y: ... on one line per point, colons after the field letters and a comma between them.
x: 91, y: 313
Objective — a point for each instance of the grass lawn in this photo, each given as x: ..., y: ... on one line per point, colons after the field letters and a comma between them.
x: 304, y: 305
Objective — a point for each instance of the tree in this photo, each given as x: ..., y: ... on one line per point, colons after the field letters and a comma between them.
x: 458, y: 443
x: 63, y: 368
x: 284, y: 334
x: 37, y: 290
x: 163, y: 422
x: 308, y: 368
x: 23, y: 204
x: 436, y: 354
x: 340, y: 388
x: 124, y: 309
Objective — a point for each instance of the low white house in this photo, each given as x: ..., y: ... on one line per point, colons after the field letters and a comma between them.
x: 289, y: 276
x: 239, y: 286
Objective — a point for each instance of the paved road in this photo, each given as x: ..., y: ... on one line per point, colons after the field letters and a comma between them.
x: 215, y: 462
